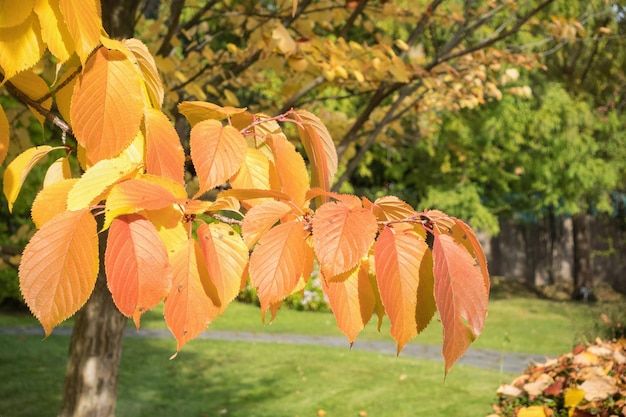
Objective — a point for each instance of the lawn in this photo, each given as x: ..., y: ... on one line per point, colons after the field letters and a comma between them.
x: 214, y: 378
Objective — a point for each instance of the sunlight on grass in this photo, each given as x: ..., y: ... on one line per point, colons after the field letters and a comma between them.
x: 239, y: 379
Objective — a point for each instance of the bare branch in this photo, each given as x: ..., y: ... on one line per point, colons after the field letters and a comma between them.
x: 176, y: 8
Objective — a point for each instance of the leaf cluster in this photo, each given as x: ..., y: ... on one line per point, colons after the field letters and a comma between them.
x: 258, y: 213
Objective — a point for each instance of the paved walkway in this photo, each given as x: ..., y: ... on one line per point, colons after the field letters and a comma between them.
x: 489, y: 359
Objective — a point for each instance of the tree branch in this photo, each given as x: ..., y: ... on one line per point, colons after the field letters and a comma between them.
x: 176, y: 9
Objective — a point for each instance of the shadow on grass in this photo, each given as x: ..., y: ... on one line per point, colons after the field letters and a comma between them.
x: 215, y: 378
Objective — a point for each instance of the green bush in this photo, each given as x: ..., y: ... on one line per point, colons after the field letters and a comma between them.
x: 589, y: 381
x: 9, y: 286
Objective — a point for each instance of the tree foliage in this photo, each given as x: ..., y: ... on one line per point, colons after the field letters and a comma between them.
x: 258, y: 212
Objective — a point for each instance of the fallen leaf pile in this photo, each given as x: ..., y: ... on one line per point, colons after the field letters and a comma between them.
x: 589, y: 381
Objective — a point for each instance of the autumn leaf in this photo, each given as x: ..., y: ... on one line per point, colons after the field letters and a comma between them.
x: 227, y: 259
x: 262, y: 218
x: 34, y: 87
x: 136, y: 194
x: 138, y: 272
x: 107, y: 105
x: 197, y: 111
x: 21, y: 46
x: 59, y: 267
x: 352, y: 301
x: 164, y: 153
x: 342, y: 236
x: 292, y: 172
x: 50, y: 201
x: 254, y: 172
x: 59, y: 170
x: 398, y: 258
x: 54, y: 32
x: 319, y: 147
x: 460, y: 295
x: 149, y: 70
x: 280, y: 259
x: 98, y: 180
x: 217, y: 152
x: 15, y: 174
x: 390, y: 208
x: 188, y: 309
x: 84, y: 23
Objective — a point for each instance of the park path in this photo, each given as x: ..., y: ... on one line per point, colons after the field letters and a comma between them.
x: 481, y: 358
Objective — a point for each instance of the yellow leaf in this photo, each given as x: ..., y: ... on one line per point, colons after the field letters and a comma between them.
x: 261, y: 218
x: 148, y: 67
x: 5, y: 135
x: 50, y: 201
x: 169, y: 227
x: 14, y: 12
x: 53, y: 29
x: 254, y: 171
x: 534, y: 411
x: 18, y: 169
x: 284, y: 41
x: 84, y: 23
x: 107, y: 105
x: 230, y: 97
x: 573, y: 397
x: 97, y: 180
x: 63, y: 95
x: 58, y: 171
x: 291, y: 169
x: 59, y: 267
x: 21, y: 46
x: 35, y: 88
x: 197, y: 111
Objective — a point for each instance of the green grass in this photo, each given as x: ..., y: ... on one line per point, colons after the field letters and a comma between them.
x: 212, y: 378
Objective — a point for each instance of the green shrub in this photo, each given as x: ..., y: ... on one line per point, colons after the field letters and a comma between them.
x: 9, y: 286
x: 589, y: 381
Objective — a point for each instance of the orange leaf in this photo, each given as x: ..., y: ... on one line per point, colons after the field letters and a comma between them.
x: 107, y: 105
x: 460, y: 295
x: 261, y: 218
x: 4, y: 135
x: 138, y: 271
x: 59, y: 267
x: 319, y: 147
x: 348, y: 200
x: 226, y: 259
x: 292, y: 172
x: 243, y: 194
x: 217, y: 152
x: 50, y: 201
x: 398, y: 255
x: 352, y: 301
x: 390, y: 208
x: 164, y: 154
x: 342, y: 236
x: 84, y: 23
x: 279, y: 261
x: 188, y: 309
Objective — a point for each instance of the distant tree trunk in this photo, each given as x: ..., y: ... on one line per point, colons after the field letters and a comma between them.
x: 583, y: 283
x: 93, y: 362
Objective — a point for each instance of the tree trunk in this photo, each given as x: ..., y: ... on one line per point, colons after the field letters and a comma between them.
x: 94, y: 357
x: 583, y: 284
x: 93, y: 362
